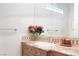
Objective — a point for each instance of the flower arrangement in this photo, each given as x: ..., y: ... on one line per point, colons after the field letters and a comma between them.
x: 35, y: 29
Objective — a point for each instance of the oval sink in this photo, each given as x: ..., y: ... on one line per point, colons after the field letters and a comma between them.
x: 44, y: 44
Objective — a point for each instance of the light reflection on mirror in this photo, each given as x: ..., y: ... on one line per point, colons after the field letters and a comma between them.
x: 54, y: 9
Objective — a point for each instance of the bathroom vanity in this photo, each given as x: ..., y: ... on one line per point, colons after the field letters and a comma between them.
x: 45, y: 47
x: 28, y: 50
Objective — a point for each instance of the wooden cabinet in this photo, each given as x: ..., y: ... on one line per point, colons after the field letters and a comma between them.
x: 32, y: 51
x: 38, y: 52
x: 55, y: 53
x: 28, y: 50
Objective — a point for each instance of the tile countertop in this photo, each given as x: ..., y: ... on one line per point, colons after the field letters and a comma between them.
x: 72, y: 51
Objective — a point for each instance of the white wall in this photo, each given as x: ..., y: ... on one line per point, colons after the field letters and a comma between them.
x: 14, y: 16
x: 73, y: 21
x: 70, y: 20
x: 10, y: 39
x: 75, y: 24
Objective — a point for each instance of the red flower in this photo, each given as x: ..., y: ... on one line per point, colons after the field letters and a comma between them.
x: 35, y: 29
x: 32, y: 29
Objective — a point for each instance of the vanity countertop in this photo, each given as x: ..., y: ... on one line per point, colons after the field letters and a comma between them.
x: 72, y: 51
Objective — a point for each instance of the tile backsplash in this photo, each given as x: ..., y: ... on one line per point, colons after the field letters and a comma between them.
x: 51, y: 39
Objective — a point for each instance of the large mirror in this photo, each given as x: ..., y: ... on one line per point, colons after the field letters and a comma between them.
x: 57, y: 18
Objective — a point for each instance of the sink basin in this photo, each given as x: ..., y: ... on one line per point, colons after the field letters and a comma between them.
x: 45, y: 44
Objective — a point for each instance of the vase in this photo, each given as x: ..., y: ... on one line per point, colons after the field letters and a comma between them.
x: 34, y: 37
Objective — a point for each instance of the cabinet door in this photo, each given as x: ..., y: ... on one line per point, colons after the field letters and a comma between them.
x: 38, y: 52
x: 42, y: 52
x: 26, y: 50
